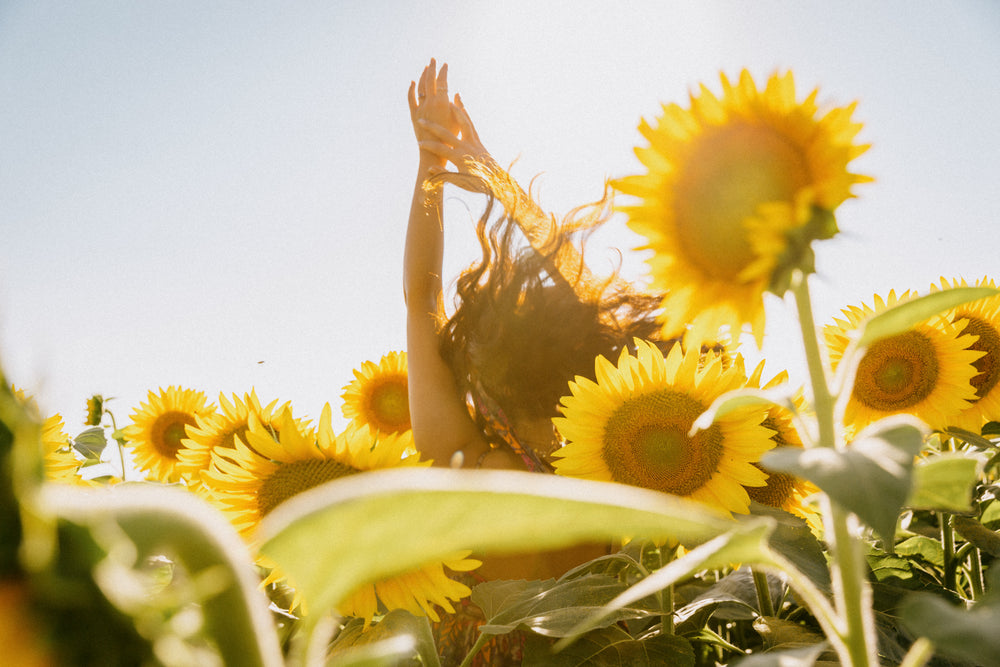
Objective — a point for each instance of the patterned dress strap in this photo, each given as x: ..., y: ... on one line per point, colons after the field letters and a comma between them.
x: 501, y: 427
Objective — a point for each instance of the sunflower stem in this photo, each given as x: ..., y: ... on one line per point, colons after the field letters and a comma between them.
x: 976, y: 575
x: 849, y: 574
x: 764, y: 603
x: 480, y: 642
x: 823, y: 399
x: 919, y: 654
x: 666, y: 600
x: 948, y: 546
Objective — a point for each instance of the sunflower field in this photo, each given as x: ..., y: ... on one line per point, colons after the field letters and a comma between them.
x: 853, y: 520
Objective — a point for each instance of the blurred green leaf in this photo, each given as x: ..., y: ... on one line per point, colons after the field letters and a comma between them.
x: 906, y: 315
x: 804, y: 656
x: 169, y: 521
x: 871, y: 478
x: 91, y: 443
x: 614, y: 647
x: 965, y: 634
x: 411, y: 517
x: 968, y: 437
x: 945, y: 482
x: 557, y: 608
x: 400, y: 638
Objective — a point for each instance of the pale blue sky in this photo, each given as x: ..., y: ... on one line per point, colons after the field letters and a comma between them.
x: 190, y: 188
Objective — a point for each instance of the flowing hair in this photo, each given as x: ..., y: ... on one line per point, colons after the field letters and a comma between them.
x: 528, y: 320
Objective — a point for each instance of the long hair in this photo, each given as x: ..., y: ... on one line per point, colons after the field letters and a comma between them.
x: 526, y: 323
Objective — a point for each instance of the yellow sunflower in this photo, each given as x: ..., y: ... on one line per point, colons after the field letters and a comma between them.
x: 982, y: 319
x: 61, y: 464
x: 736, y: 189
x: 782, y: 490
x: 632, y: 426
x: 159, y: 428
x: 221, y: 430
x: 925, y: 371
x: 377, y: 397
x: 252, y: 479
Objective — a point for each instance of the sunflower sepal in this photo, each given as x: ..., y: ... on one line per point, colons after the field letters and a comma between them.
x: 799, y: 254
x: 872, y: 478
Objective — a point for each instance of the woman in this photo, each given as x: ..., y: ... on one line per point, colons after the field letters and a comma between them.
x: 527, y: 320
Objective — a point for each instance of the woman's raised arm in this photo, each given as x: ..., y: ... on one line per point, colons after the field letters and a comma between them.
x: 438, y: 414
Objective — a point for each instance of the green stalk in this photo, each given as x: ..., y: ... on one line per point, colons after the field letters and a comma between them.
x: 976, y: 575
x: 919, y: 654
x: 483, y: 638
x: 948, y: 545
x: 852, y: 594
x: 764, y: 603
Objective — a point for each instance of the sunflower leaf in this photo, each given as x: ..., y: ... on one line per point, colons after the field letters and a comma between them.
x: 899, y: 318
x: 803, y: 656
x: 163, y: 520
x: 398, y: 636
x: 91, y: 443
x: 411, y: 517
x: 964, y: 634
x: 559, y: 607
x: 945, y: 482
x: 614, y: 647
x: 871, y: 478
x: 745, y: 543
x: 732, y: 401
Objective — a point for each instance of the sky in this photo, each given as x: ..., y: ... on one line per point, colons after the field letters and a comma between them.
x: 215, y: 195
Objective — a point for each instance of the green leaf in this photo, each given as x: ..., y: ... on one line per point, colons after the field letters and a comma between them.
x: 732, y: 598
x: 399, y: 638
x: 556, y: 609
x: 925, y: 548
x: 411, y: 517
x: 614, y: 647
x: 91, y: 443
x: 906, y: 315
x: 163, y: 520
x: 742, y: 398
x: 974, y: 439
x: 871, y: 477
x: 956, y: 632
x: 745, y: 543
x: 804, y: 656
x: 945, y: 482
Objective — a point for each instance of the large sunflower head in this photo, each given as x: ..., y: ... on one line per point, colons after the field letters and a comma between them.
x: 982, y: 319
x: 633, y: 426
x: 377, y: 397
x: 925, y: 371
x: 782, y: 490
x: 251, y: 479
x: 221, y: 430
x: 737, y: 188
x: 159, y: 429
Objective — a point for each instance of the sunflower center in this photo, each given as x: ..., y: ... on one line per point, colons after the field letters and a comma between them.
x: 646, y: 443
x: 780, y: 486
x: 897, y: 373
x: 389, y: 405
x: 167, y: 432
x: 730, y: 173
x: 295, y: 477
x: 989, y: 342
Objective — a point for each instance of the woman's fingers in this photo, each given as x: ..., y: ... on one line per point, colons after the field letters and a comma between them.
x: 438, y: 148
x: 439, y: 131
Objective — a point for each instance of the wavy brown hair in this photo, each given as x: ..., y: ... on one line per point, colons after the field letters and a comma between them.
x: 526, y: 324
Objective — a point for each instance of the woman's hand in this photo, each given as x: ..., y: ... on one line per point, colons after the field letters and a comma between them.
x: 430, y: 105
x: 460, y: 145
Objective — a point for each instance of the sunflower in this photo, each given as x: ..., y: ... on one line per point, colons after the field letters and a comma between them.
x: 982, y: 319
x: 61, y: 464
x: 221, y: 430
x: 377, y: 397
x: 159, y: 428
x: 736, y: 189
x: 782, y: 490
x: 249, y: 481
x: 632, y: 426
x: 925, y: 371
